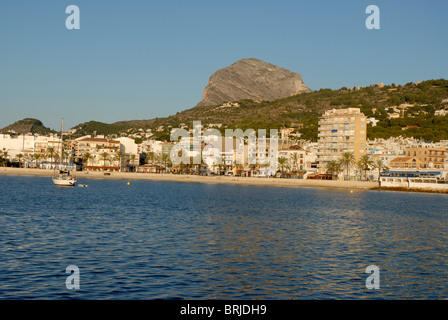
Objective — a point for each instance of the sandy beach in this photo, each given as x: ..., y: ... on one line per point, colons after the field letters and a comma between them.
x: 277, y: 182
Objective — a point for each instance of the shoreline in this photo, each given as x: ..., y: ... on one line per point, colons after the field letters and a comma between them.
x: 404, y: 189
x: 274, y: 182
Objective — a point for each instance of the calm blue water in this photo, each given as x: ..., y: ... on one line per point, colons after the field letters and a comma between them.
x: 167, y: 240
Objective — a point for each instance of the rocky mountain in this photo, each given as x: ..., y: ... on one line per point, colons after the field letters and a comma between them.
x: 28, y: 125
x: 251, y: 79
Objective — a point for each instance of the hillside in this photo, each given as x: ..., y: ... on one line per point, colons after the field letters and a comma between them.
x: 303, y: 110
x: 28, y: 125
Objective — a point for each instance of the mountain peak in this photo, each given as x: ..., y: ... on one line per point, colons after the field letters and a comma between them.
x: 251, y: 78
x: 28, y: 125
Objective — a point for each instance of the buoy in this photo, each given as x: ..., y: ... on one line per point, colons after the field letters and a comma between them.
x: 351, y: 191
x: 129, y: 183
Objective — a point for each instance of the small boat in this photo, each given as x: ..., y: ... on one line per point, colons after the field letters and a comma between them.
x: 63, y: 178
x: 82, y: 185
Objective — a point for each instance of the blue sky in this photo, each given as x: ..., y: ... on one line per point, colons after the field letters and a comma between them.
x: 146, y: 59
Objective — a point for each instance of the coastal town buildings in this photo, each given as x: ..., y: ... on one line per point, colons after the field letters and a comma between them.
x: 32, y: 148
x: 421, y: 157
x: 409, y: 154
x: 301, y: 161
x: 340, y: 130
x: 97, y: 153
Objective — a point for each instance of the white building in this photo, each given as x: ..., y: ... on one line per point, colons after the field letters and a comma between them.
x: 128, y: 145
x: 28, y: 145
x: 441, y: 113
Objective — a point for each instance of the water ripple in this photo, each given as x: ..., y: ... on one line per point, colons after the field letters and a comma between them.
x: 167, y: 240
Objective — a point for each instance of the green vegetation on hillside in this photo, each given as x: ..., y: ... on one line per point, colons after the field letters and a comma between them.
x: 96, y: 127
x: 27, y: 125
x: 303, y: 111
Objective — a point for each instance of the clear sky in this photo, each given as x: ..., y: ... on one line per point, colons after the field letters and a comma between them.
x: 133, y: 60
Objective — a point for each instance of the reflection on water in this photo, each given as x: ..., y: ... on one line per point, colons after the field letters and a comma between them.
x: 167, y: 240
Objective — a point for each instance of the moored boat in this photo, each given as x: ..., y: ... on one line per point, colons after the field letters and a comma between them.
x: 63, y: 178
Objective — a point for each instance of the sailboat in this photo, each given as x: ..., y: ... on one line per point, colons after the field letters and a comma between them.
x: 62, y: 177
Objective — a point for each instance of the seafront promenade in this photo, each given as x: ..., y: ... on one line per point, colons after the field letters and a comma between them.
x: 277, y: 182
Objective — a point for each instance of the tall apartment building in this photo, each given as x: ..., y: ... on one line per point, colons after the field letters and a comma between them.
x: 341, y: 130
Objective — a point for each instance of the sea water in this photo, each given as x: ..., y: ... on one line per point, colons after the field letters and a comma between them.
x: 173, y: 240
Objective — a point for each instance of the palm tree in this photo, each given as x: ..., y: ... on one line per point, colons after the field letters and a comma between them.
x: 156, y: 159
x: 282, y: 164
x: 87, y: 156
x: 364, y: 163
x: 295, y: 161
x: 181, y: 167
x: 50, y: 153
x: 36, y: 157
x: 19, y: 158
x: 119, y: 157
x: 165, y: 159
x: 218, y: 162
x: 347, y: 160
x: 4, y: 157
x: 150, y: 157
x: 56, y: 159
x: 381, y: 166
x: 334, y: 167
x: 197, y: 163
x: 65, y: 156
x: 133, y: 157
x: 105, y: 157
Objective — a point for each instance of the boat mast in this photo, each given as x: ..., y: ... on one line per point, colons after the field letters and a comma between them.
x: 62, y: 130
x: 62, y: 126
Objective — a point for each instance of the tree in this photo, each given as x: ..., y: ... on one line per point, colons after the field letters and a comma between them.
x: 381, y: 166
x: 65, y: 156
x: 295, y: 161
x: 150, y: 157
x: 36, y: 157
x: 4, y: 157
x: 364, y: 163
x: 51, y: 153
x: 347, y: 160
x: 87, y: 156
x: 105, y: 157
x: 119, y: 157
x: 219, y: 162
x: 282, y: 164
x: 19, y: 158
x: 333, y: 167
x: 165, y: 159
